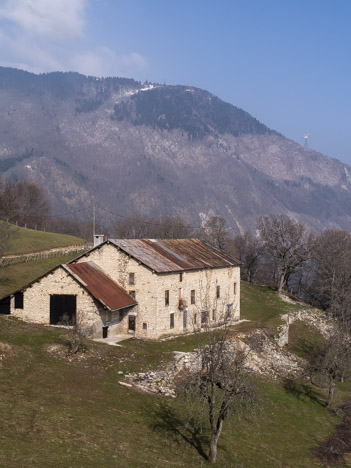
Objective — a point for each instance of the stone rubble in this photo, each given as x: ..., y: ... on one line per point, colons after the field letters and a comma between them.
x: 264, y: 355
x: 313, y: 317
x: 269, y: 360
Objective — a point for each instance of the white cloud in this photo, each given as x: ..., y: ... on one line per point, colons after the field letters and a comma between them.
x: 53, y: 18
x: 103, y: 61
x: 53, y: 35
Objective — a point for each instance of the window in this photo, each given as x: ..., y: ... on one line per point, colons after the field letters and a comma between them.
x: 214, y: 315
x: 144, y: 326
x: 218, y: 292
x: 171, y: 320
x: 204, y: 317
x: 195, y: 318
x: 132, y: 294
x: 166, y: 297
x: 180, y: 277
x: 19, y: 300
x: 192, y: 296
x: 131, y: 278
x: 234, y: 288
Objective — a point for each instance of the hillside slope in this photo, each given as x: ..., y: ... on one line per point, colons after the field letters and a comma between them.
x: 24, y: 241
x: 61, y: 405
x: 142, y: 149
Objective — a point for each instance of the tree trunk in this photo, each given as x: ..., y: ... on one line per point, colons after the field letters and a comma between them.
x: 214, y: 441
x: 213, y: 447
x: 281, y: 283
x: 331, y: 391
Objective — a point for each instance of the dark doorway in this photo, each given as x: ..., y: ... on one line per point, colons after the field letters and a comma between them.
x: 131, y: 323
x: 63, y: 309
x: 105, y: 332
x: 5, y: 306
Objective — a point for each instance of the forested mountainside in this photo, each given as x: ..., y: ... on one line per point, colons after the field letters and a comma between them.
x: 149, y: 149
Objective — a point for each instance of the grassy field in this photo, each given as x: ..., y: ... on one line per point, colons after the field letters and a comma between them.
x: 262, y: 305
x: 16, y: 276
x: 61, y: 412
x: 27, y: 241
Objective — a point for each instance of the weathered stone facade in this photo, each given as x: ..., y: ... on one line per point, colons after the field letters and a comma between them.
x: 36, y: 301
x: 167, y: 303
x: 153, y: 316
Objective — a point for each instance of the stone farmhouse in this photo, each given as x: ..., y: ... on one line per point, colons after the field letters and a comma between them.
x: 145, y: 287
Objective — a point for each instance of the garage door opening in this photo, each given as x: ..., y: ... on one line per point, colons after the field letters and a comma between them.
x: 63, y: 309
x: 5, y: 306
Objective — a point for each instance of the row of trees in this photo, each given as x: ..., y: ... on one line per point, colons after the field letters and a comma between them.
x: 23, y: 202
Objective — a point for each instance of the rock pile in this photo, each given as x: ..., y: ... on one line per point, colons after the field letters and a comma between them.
x: 158, y: 382
x: 314, y: 317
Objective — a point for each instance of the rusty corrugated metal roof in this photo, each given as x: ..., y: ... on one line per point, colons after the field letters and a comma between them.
x: 170, y: 255
x: 101, y: 286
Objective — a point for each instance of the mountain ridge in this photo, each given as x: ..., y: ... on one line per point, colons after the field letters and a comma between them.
x: 144, y: 149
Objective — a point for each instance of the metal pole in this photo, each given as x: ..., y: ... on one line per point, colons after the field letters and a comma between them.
x: 93, y: 220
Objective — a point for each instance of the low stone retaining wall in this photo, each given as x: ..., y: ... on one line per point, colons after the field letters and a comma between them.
x: 314, y: 317
x: 8, y: 260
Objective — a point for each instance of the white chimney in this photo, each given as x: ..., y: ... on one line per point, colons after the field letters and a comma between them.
x: 98, y: 239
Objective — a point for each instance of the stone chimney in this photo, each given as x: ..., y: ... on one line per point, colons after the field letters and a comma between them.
x: 98, y: 239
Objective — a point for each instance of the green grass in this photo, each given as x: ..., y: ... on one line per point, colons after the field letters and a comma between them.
x: 57, y: 412
x: 303, y: 338
x: 16, y: 276
x: 27, y: 241
x: 262, y: 305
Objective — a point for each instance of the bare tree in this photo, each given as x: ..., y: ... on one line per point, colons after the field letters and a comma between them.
x: 287, y: 243
x: 4, y: 237
x: 167, y: 227
x: 248, y: 250
x: 331, y: 287
x: 219, y: 385
x: 331, y: 362
x: 24, y: 202
x: 77, y: 332
x: 75, y: 227
x: 215, y: 232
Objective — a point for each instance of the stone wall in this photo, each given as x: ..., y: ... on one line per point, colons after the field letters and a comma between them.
x: 36, y: 301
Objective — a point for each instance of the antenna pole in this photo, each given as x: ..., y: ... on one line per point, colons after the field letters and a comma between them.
x: 94, y: 219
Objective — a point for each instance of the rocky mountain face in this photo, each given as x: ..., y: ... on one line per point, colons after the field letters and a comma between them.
x: 146, y: 150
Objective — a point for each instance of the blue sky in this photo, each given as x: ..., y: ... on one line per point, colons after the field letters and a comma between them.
x: 286, y: 62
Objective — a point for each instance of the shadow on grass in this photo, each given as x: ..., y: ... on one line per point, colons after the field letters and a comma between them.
x: 302, y: 390
x: 305, y: 348
x: 168, y: 422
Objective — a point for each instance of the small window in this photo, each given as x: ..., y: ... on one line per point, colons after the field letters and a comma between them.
x: 144, y: 326
x: 204, y: 316
x: 234, y: 288
x: 195, y: 318
x: 192, y: 296
x: 171, y: 320
x: 132, y: 294
x: 166, y: 297
x: 19, y: 300
x: 180, y: 277
x: 131, y: 278
x: 218, y: 292
x: 214, y: 315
